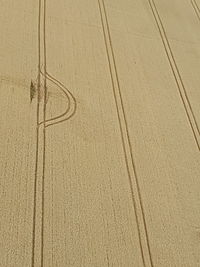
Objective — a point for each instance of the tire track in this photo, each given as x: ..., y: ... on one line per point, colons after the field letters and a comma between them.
x: 176, y: 73
x: 40, y: 160
x: 37, y: 140
x: 71, y: 107
x: 126, y: 142
x: 44, y: 132
x: 196, y: 8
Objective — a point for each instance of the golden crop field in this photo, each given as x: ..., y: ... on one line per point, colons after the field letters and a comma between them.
x: 100, y: 133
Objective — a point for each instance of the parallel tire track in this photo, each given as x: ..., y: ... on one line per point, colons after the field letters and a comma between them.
x: 196, y: 8
x: 176, y: 73
x: 69, y: 113
x: 71, y: 106
x: 126, y: 142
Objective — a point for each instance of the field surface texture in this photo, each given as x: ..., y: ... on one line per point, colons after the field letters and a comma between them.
x: 100, y: 133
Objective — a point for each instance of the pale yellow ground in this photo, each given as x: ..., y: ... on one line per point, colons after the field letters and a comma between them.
x: 100, y: 133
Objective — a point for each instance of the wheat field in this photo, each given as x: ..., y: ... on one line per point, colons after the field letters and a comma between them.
x: 100, y: 133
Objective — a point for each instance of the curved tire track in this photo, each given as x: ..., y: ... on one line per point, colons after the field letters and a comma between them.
x: 71, y: 108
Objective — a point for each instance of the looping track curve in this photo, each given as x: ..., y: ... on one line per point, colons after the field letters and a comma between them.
x: 71, y: 107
